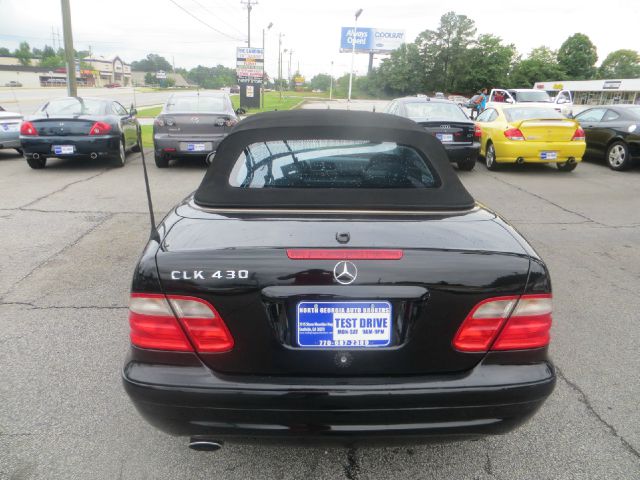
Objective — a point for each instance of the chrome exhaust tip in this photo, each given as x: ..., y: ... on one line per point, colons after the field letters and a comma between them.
x: 36, y: 156
x: 93, y: 156
x: 520, y: 161
x: 204, y: 445
x: 571, y: 160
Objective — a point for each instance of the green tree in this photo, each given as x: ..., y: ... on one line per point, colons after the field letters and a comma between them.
x: 540, y: 66
x: 403, y: 73
x: 443, y: 50
x: 47, y: 52
x: 620, y: 64
x: 212, y: 77
x: 486, y: 64
x: 321, y: 81
x: 4, y: 52
x: 23, y: 53
x: 152, y: 63
x: 577, y: 56
x: 150, y: 79
x: 52, y: 62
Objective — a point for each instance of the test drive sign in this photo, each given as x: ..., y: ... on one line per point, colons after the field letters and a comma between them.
x: 249, y: 64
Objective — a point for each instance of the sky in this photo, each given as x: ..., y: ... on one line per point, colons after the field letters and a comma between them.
x: 311, y: 29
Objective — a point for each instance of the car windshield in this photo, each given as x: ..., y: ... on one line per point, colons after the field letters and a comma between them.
x: 74, y: 106
x: 331, y: 164
x: 421, y: 111
x: 196, y: 103
x: 540, y: 96
x: 530, y: 113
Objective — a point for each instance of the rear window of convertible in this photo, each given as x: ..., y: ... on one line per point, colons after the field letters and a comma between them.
x: 331, y: 164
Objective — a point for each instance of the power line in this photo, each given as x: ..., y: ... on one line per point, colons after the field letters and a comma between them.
x: 219, y: 18
x: 203, y: 22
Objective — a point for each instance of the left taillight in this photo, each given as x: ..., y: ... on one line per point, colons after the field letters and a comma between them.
x: 579, y: 135
x: 28, y: 129
x: 514, y: 134
x: 506, y: 323
x: 100, y: 128
x: 177, y: 323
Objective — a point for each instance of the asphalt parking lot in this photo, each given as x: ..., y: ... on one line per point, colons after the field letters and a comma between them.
x: 72, y: 233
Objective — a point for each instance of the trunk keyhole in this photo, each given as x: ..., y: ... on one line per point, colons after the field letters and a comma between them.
x: 343, y: 237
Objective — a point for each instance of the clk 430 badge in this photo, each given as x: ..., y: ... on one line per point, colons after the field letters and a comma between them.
x: 203, y: 274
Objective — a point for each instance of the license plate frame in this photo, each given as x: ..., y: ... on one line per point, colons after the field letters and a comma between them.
x: 548, y: 155
x: 63, y: 149
x: 445, y: 137
x: 344, y: 324
x: 196, y: 147
x: 10, y: 127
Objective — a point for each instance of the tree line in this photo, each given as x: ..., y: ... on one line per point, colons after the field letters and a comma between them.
x: 454, y: 58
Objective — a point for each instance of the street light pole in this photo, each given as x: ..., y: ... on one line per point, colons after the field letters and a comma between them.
x: 264, y: 62
x: 280, y: 64
x: 353, y: 52
x: 69, y: 53
x: 331, y: 83
x: 249, y: 4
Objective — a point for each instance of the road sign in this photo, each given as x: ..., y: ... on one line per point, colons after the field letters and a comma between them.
x: 161, y: 75
x: 371, y: 40
x: 249, y: 64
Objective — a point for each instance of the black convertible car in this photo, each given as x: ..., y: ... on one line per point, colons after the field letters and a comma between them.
x: 612, y: 132
x: 446, y: 121
x: 79, y: 127
x: 331, y: 278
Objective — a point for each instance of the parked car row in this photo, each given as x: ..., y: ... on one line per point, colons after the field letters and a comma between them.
x: 520, y: 127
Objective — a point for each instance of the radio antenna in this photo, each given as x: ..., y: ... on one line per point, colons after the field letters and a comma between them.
x: 153, y: 235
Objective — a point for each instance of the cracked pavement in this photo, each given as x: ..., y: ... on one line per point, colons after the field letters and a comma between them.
x: 73, y: 232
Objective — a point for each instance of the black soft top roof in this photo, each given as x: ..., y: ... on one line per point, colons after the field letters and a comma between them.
x: 216, y: 192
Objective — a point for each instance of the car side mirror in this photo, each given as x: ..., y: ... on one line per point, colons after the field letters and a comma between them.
x: 133, y: 111
x: 508, y: 100
x: 240, y: 111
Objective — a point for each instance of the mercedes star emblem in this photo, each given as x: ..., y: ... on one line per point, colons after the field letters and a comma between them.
x: 345, y: 272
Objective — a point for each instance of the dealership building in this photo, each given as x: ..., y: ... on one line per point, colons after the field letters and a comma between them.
x: 596, y: 92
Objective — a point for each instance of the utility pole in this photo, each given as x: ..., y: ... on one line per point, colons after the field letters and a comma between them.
x: 289, y: 69
x: 249, y: 4
x: 353, y: 53
x: 264, y: 62
x: 280, y: 64
x: 331, y: 83
x: 72, y: 87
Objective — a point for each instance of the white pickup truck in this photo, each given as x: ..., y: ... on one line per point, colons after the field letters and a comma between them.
x: 562, y: 102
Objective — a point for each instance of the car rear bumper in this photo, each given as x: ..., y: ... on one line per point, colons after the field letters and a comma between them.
x: 530, y: 152
x: 191, y: 400
x: 457, y: 153
x: 9, y: 141
x: 102, y: 145
x: 176, y: 146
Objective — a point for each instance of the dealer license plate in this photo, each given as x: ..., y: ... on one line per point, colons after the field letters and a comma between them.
x: 548, y: 155
x: 445, y: 137
x: 10, y: 127
x: 195, y: 147
x: 344, y: 324
x: 63, y: 149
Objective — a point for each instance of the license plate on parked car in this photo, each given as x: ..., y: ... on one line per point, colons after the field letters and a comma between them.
x: 548, y: 155
x: 444, y: 137
x: 344, y: 324
x: 10, y: 127
x: 63, y: 149
x: 195, y: 147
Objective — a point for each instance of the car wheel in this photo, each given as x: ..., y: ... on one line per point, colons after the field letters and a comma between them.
x: 490, y: 158
x: 121, y: 156
x: 137, y: 147
x: 37, y: 163
x: 566, y: 166
x: 467, y: 164
x: 161, y: 160
x: 618, y: 156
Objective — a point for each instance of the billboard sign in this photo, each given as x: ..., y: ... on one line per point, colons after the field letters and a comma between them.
x: 249, y: 64
x: 371, y: 40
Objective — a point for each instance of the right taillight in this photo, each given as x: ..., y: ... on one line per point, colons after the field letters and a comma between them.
x: 177, y: 323
x: 27, y: 129
x: 579, y: 135
x: 477, y: 132
x: 506, y: 323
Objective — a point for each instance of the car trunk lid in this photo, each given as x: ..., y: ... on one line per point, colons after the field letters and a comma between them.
x: 245, y: 268
x: 450, y: 132
x: 60, y: 127
x: 547, y: 130
x: 181, y: 124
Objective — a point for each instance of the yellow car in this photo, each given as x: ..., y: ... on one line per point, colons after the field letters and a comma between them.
x: 529, y: 134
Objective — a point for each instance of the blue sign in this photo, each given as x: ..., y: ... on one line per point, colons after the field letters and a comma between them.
x: 343, y: 324
x: 370, y: 39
